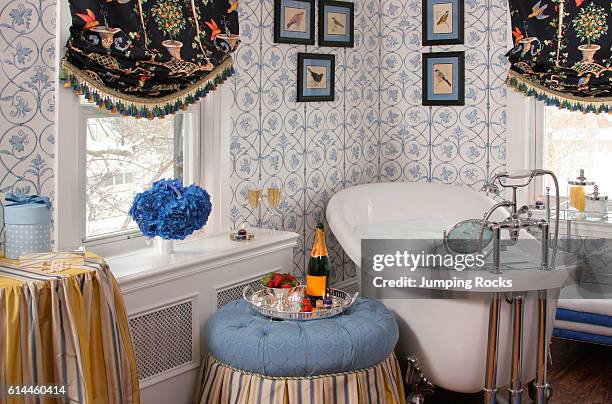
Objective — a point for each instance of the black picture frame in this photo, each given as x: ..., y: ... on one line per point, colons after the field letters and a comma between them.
x: 428, y: 37
x: 280, y: 35
x: 302, y: 90
x: 458, y: 79
x: 348, y: 39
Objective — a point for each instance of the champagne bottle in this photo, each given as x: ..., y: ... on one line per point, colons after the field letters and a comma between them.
x: 318, y: 276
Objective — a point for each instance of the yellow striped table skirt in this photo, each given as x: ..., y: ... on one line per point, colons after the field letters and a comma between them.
x: 67, y: 329
x: 379, y: 384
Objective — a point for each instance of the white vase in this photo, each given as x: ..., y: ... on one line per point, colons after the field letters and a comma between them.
x: 163, y: 246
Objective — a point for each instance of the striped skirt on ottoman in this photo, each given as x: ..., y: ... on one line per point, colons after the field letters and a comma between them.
x: 378, y: 384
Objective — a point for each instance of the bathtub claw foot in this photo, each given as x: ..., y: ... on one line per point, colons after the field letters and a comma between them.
x: 415, y: 399
x: 417, y: 384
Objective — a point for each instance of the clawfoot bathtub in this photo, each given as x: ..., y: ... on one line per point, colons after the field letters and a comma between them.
x: 449, y: 336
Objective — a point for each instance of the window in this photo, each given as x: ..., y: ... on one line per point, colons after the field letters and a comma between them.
x: 562, y: 141
x: 102, y: 160
x: 125, y: 156
x: 573, y: 141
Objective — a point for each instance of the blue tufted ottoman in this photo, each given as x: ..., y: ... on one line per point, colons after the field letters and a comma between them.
x: 345, y: 359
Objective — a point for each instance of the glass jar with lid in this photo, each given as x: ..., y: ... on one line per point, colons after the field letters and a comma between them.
x: 596, y: 206
x: 577, y: 192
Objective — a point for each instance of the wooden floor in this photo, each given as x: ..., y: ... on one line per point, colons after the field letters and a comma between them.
x: 580, y: 374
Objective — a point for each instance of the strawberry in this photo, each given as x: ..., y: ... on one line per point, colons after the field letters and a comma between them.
x: 278, y: 280
x: 306, y: 303
x: 266, y: 280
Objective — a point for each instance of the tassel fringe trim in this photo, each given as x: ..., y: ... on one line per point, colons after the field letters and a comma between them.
x: 139, y: 107
x: 558, y: 99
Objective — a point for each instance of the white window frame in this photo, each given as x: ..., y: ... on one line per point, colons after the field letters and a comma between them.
x: 525, y: 138
x: 524, y: 149
x: 208, y: 161
x: 191, y: 172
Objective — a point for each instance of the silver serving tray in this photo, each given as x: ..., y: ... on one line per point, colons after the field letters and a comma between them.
x: 285, y: 305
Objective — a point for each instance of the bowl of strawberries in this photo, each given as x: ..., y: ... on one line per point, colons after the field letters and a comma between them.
x: 279, y: 284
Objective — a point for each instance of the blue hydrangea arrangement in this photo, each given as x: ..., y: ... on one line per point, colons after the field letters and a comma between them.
x: 171, y: 211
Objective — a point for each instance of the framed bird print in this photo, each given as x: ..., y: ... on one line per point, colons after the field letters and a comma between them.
x: 443, y: 22
x: 316, y: 76
x: 294, y: 21
x: 444, y: 78
x: 336, y: 23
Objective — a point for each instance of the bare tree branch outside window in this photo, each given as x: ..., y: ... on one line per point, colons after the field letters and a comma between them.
x: 125, y: 156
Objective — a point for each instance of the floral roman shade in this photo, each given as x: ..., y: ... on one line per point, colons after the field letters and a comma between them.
x: 561, y: 52
x: 149, y: 58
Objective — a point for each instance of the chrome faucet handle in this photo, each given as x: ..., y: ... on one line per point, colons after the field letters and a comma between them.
x: 524, y: 210
x: 490, y: 188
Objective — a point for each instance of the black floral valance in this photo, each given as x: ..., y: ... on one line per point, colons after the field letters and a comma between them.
x: 149, y: 58
x: 562, y: 52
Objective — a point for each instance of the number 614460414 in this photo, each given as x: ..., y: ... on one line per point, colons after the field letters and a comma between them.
x: 37, y: 390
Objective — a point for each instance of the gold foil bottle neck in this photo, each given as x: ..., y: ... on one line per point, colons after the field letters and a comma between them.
x: 319, y: 249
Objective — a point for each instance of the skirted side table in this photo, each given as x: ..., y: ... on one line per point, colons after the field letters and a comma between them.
x: 64, y: 336
x: 347, y: 359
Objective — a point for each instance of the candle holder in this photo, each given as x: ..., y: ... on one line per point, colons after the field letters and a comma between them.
x: 273, y: 194
x: 242, y: 234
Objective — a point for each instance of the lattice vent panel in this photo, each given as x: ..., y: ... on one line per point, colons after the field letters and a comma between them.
x: 163, y: 339
x: 227, y: 295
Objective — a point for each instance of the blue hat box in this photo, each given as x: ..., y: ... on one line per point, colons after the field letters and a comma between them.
x: 28, y: 229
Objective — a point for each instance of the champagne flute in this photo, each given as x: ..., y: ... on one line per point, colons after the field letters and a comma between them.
x: 274, y: 196
x: 254, y: 197
x: 254, y: 194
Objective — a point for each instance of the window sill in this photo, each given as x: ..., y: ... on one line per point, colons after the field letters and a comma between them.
x: 580, y: 227
x: 145, y: 267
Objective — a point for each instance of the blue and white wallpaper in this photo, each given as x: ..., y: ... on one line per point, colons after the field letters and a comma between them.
x: 377, y: 129
x: 315, y: 148
x: 27, y: 53
x: 455, y: 145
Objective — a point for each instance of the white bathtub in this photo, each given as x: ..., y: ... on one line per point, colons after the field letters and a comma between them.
x: 449, y: 336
